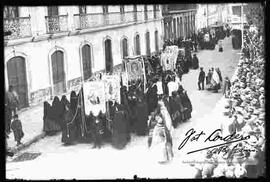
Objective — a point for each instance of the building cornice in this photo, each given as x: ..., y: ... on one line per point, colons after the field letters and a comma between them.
x: 9, y: 43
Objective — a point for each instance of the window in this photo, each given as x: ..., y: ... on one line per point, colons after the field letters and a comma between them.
x: 137, y: 45
x: 86, y: 61
x: 147, y: 38
x: 52, y: 10
x: 105, y: 9
x: 156, y: 41
x: 82, y: 10
x: 11, y: 12
x: 145, y: 8
x: 236, y: 10
x: 122, y: 9
x: 155, y: 12
x: 135, y: 8
x: 124, y: 44
x: 145, y: 12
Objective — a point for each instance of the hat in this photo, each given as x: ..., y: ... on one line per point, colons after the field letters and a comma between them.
x: 261, y: 89
x: 256, y: 112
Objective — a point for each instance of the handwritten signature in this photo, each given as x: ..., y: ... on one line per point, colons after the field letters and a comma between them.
x: 192, y: 135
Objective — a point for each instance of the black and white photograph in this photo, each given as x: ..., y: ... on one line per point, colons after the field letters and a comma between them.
x: 134, y: 91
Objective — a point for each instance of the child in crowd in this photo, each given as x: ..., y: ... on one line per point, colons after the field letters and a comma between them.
x: 16, y: 127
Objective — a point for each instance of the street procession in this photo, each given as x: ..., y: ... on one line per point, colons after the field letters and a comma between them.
x: 153, y: 91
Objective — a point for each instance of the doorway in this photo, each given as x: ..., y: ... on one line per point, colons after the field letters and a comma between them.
x: 16, y: 69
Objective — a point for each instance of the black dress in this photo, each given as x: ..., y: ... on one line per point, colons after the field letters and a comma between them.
x: 141, y: 114
x: 120, y: 133
x: 68, y: 129
x: 152, y: 99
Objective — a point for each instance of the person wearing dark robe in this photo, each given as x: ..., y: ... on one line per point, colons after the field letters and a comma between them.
x: 141, y: 114
x: 187, y: 104
x: 16, y: 127
x: 132, y: 100
x: 209, y: 77
x: 151, y: 125
x: 125, y: 103
x: 63, y: 102
x: 73, y: 101
x: 78, y: 120
x: 176, y: 109
x: 152, y: 98
x: 57, y: 112
x: 98, y: 131
x: 8, y: 115
x: 227, y: 87
x: 219, y: 74
x: 68, y: 128
x: 50, y: 126
x: 195, y: 62
x: 120, y: 134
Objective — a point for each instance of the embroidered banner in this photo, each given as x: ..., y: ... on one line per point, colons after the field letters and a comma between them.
x: 169, y: 58
x: 135, y: 69
x: 94, y: 97
x: 112, y: 87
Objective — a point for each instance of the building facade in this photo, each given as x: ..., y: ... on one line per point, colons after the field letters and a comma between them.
x: 52, y: 50
x: 179, y: 20
x: 219, y: 14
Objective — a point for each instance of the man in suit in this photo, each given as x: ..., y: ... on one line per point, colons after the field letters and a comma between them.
x: 201, y: 79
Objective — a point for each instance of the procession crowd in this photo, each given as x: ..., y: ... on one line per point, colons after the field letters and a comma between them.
x: 246, y: 116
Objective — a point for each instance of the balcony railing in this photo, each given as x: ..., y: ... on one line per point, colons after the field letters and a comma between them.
x: 19, y: 27
x: 93, y: 20
x: 58, y: 23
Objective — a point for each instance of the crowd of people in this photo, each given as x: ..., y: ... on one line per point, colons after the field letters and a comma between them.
x: 153, y: 112
x: 246, y: 116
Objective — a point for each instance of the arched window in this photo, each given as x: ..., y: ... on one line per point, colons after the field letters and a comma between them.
x: 137, y: 45
x: 181, y: 27
x: 58, y: 72
x: 156, y: 41
x: 174, y: 28
x: 124, y: 44
x: 108, y: 55
x: 87, y: 61
x: 147, y: 38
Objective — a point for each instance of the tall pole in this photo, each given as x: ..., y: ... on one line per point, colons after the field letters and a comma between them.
x: 242, y: 24
x: 206, y: 15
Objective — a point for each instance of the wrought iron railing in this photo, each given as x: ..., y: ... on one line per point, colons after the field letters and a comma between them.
x: 140, y: 16
x: 93, y: 20
x: 19, y: 27
x: 58, y: 23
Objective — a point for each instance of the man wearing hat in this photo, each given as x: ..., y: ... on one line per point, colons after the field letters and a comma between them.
x: 201, y: 79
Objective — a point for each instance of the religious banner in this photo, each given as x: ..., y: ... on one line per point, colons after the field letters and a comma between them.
x: 112, y: 87
x: 94, y: 96
x: 135, y: 69
x: 124, y: 78
x: 169, y: 58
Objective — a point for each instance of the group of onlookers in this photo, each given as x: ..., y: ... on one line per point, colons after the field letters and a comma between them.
x: 245, y: 113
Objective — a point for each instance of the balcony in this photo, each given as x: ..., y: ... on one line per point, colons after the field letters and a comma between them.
x: 94, y: 20
x: 19, y: 27
x: 56, y: 24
